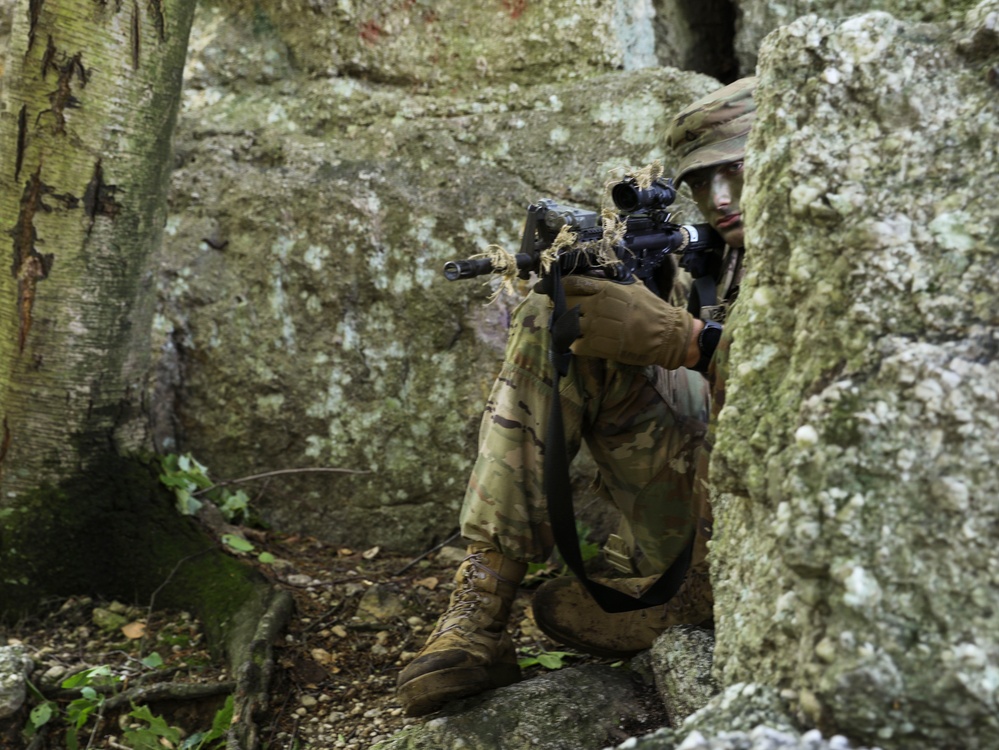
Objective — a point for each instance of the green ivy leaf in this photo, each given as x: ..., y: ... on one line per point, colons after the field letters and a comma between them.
x: 187, y: 503
x: 40, y: 714
x: 149, y: 737
x: 95, y: 675
x: 547, y: 659
x: 550, y: 660
x: 267, y: 558
x: 153, y: 661
x: 78, y: 711
x: 237, y: 543
x: 234, y: 504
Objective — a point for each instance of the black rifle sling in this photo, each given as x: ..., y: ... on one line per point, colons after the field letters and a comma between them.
x: 703, y: 293
x: 564, y: 329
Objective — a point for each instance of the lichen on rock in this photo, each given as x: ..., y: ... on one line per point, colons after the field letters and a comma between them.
x: 854, y: 539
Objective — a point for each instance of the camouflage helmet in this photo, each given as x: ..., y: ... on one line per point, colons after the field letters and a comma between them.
x: 713, y: 129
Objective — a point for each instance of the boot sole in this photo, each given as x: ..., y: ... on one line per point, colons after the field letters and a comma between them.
x: 586, y: 648
x: 427, y: 693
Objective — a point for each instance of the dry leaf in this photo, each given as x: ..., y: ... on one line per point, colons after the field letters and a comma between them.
x: 339, y: 631
x: 323, y: 656
x: 134, y: 630
x: 345, y: 551
x: 371, y: 554
x: 427, y: 583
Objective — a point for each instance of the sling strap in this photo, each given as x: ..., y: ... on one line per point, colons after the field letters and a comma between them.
x: 564, y: 329
x: 703, y: 293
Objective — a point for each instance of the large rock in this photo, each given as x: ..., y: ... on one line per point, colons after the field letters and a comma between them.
x: 744, y: 717
x: 580, y: 708
x: 15, y: 668
x: 682, y: 660
x: 757, y: 18
x: 449, y: 42
x: 305, y: 321
x: 855, y: 558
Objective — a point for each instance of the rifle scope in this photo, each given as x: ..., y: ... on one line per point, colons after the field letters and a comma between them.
x: 628, y: 197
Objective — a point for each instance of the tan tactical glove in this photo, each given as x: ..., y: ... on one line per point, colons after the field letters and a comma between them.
x: 627, y: 323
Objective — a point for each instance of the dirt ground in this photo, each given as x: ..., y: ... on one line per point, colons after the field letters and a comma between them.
x: 360, y: 616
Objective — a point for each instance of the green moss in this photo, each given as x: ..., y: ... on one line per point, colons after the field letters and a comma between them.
x: 113, y: 532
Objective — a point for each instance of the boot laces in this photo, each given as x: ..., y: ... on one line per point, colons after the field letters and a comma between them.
x: 466, y: 598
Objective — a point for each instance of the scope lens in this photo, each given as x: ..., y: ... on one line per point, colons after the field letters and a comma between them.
x: 625, y: 196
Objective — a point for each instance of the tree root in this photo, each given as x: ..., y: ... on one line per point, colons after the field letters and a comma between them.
x: 168, y: 691
x: 251, y: 658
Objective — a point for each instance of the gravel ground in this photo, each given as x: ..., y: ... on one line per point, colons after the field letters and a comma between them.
x: 360, y: 616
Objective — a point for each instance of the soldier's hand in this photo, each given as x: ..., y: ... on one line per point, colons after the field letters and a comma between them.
x: 628, y: 323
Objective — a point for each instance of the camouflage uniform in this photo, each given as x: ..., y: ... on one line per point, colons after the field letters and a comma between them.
x: 644, y: 426
x: 641, y: 425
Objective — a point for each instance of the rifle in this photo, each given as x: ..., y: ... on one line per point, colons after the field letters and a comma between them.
x: 633, y: 243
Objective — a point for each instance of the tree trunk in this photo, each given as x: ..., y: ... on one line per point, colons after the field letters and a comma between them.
x: 89, y: 106
x: 90, y: 98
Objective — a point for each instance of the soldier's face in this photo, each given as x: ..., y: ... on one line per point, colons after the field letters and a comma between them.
x: 717, y: 191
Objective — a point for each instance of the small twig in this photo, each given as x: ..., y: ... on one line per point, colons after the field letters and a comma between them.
x: 430, y: 551
x: 275, y: 473
x: 169, y: 690
x: 97, y: 722
x: 322, y: 618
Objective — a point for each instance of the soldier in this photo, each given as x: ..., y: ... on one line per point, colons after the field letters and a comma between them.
x: 631, y: 395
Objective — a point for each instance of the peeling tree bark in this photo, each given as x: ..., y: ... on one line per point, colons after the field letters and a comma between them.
x: 85, y: 130
x: 90, y: 101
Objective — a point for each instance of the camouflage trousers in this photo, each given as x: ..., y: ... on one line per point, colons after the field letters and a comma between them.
x: 643, y: 426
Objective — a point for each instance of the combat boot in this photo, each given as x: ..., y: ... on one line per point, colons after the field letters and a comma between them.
x: 469, y: 651
x: 566, y: 613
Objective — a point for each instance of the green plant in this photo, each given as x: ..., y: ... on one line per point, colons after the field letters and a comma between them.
x: 88, y: 682
x: 240, y: 544
x: 154, y: 733
x: 188, y: 478
x: 546, y: 659
x: 214, y: 737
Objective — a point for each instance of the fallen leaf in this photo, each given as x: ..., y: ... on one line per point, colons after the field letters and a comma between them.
x: 323, y: 656
x: 427, y: 583
x: 371, y: 554
x: 134, y: 630
x: 339, y: 631
x: 345, y: 551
